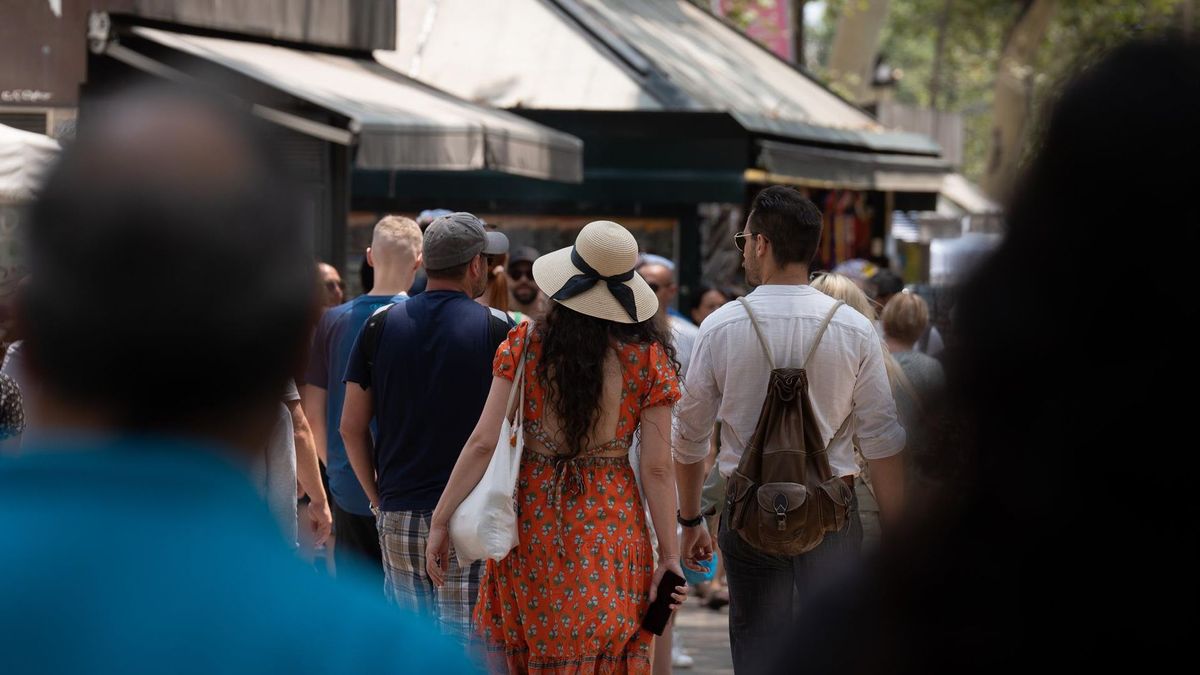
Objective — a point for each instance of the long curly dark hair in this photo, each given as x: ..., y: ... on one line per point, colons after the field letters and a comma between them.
x: 571, y: 365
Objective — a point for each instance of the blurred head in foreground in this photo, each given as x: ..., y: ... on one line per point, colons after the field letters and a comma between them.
x: 1070, y: 507
x: 172, y: 287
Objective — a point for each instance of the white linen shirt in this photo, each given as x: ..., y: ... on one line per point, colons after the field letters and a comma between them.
x: 728, y: 373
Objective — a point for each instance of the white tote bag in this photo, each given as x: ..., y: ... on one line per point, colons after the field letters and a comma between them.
x: 485, y: 523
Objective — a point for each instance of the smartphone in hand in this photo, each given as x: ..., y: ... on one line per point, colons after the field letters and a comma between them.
x: 659, y: 612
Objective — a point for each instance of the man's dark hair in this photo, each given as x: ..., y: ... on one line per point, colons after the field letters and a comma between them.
x: 172, y: 288
x: 789, y: 221
x: 450, y: 273
x: 887, y: 283
x: 366, y: 275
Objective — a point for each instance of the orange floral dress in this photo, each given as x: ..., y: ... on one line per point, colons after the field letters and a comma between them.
x: 570, y: 597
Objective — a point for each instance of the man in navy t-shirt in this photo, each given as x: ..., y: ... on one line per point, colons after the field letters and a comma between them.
x: 424, y: 374
x: 394, y: 255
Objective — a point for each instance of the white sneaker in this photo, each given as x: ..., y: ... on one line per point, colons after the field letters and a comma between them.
x: 680, y: 659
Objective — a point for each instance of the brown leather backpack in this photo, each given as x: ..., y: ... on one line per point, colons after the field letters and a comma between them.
x: 783, y: 494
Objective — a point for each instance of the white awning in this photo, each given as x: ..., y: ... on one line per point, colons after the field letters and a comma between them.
x: 24, y: 159
x: 610, y: 55
x: 967, y: 195
x: 397, y: 123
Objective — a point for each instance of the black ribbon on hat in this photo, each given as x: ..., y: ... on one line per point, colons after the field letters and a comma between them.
x: 589, y: 277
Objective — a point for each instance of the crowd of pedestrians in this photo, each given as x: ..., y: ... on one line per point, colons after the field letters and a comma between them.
x: 162, y: 436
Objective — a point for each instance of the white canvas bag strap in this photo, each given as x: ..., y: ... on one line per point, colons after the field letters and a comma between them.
x: 518, y: 389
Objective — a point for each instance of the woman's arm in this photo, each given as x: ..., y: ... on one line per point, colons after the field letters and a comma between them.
x: 308, y: 473
x: 658, y: 478
x: 468, y: 470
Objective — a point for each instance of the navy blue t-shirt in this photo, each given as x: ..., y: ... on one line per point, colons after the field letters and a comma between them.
x: 430, y: 379
x: 332, y: 342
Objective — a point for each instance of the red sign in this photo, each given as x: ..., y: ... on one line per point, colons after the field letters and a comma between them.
x: 768, y: 22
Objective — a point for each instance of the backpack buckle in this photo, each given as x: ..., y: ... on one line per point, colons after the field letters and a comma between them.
x: 780, y: 504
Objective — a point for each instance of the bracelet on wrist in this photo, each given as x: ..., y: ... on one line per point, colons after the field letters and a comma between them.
x: 689, y: 522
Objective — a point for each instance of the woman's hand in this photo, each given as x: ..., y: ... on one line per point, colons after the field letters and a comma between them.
x: 680, y: 594
x: 437, y: 554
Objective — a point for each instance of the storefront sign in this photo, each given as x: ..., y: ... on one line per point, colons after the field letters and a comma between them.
x: 25, y: 96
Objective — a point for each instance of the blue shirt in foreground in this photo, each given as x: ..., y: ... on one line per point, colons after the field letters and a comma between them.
x: 145, y: 556
x: 332, y: 342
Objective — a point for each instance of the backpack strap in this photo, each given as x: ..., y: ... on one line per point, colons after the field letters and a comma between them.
x: 812, y: 349
x: 499, y: 323
x: 763, y: 338
x: 758, y: 329
x: 371, y: 334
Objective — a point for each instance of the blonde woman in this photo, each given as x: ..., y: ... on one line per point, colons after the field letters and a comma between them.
x: 905, y: 319
x: 841, y: 287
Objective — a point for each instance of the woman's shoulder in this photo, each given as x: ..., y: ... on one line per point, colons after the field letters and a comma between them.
x: 524, y: 338
x: 640, y: 353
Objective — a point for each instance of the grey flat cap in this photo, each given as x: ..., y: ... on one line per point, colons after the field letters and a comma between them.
x: 457, y: 238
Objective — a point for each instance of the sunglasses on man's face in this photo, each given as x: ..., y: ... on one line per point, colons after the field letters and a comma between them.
x: 518, y: 272
x: 739, y: 240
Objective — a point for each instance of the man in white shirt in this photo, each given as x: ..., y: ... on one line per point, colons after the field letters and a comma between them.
x: 727, y: 380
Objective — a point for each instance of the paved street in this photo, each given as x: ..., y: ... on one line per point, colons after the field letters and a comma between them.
x: 705, y: 635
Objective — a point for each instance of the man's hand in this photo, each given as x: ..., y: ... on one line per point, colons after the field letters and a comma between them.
x: 437, y: 554
x: 320, y: 522
x: 697, y: 547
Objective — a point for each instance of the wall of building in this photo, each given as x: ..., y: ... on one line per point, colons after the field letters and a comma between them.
x: 43, y: 43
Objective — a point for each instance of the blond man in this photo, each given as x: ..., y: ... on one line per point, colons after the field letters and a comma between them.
x: 395, y: 255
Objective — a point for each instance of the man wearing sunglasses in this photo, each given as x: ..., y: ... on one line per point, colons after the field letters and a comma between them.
x: 527, y: 301
x: 847, y: 387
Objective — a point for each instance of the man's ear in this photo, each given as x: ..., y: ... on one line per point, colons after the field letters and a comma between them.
x: 419, y: 261
x: 370, y: 257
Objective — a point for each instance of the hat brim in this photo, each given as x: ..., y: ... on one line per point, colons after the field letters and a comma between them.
x: 496, y: 244
x: 552, y: 271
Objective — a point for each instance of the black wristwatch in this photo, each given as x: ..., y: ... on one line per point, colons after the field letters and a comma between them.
x: 689, y: 522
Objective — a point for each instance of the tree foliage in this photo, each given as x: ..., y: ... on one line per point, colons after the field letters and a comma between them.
x: 976, y: 30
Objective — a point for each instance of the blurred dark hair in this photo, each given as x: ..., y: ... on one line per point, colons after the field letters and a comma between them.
x: 703, y: 289
x: 1060, y: 539
x: 571, y: 365
x: 1060, y: 420
x: 171, y: 285
x: 886, y: 284
x: 366, y: 275
x: 790, y: 222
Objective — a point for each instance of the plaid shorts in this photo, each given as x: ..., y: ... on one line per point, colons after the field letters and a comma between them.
x: 402, y: 539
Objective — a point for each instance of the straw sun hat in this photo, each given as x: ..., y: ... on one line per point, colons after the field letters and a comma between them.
x: 596, y: 276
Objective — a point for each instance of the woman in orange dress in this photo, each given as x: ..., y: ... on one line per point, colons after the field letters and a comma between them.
x: 570, y: 597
